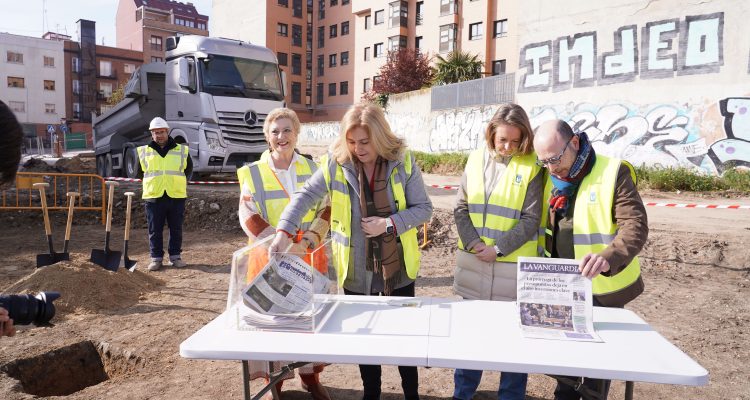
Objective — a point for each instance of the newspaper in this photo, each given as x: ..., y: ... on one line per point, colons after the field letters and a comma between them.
x: 554, y: 300
x: 282, y: 294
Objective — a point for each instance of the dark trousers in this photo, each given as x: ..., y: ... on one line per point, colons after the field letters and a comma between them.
x: 371, y: 373
x: 171, y: 211
x: 567, y: 392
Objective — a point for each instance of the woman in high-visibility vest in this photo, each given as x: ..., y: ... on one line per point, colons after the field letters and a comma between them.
x: 266, y: 187
x: 378, y: 200
x: 497, y: 217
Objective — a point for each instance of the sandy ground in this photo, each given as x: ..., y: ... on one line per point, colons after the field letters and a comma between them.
x: 695, y: 267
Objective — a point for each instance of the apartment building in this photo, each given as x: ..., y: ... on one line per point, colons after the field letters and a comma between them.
x: 33, y: 81
x: 313, y: 41
x: 482, y: 27
x: 144, y: 25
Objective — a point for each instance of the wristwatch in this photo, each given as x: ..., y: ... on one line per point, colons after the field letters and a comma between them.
x: 388, y: 226
x: 498, y: 252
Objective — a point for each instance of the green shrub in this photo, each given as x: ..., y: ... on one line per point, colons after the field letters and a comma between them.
x: 443, y: 163
x: 684, y: 179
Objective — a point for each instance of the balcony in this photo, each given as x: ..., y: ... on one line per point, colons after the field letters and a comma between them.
x: 112, y: 75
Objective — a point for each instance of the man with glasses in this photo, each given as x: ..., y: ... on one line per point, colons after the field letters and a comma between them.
x: 595, y: 215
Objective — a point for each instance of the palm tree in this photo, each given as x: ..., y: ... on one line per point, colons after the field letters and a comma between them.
x: 458, y: 66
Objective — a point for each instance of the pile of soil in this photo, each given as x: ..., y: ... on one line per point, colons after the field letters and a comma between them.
x: 87, y: 288
x: 441, y: 230
x: 77, y: 165
x: 37, y: 165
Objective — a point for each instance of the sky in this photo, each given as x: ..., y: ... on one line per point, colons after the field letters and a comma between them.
x: 27, y: 17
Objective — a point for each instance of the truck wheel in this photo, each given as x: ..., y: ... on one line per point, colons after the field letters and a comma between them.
x: 100, y: 165
x: 132, y: 165
x: 108, y: 165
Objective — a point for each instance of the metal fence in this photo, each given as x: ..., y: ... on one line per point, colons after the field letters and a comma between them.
x: 491, y: 90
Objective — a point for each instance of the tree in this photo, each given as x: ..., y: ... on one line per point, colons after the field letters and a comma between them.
x: 457, y: 67
x: 405, y: 70
x: 117, y: 95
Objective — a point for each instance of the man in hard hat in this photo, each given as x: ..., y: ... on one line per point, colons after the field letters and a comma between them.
x: 166, y: 166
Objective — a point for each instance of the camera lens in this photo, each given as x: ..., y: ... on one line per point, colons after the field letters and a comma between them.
x: 25, y: 309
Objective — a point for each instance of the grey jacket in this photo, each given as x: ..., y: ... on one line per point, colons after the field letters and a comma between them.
x: 418, y: 211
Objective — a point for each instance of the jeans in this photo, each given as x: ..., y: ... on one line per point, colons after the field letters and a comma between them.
x: 512, y: 384
x: 171, y: 211
x: 371, y: 373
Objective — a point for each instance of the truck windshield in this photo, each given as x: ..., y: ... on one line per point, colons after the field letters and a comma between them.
x: 240, y: 77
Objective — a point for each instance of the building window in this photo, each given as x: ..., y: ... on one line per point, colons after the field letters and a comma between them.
x: 49, y: 108
x: 139, y: 14
x: 155, y: 42
x: 321, y: 36
x: 296, y: 64
x: 16, y: 58
x: 501, y: 28
x: 396, y: 42
x: 202, y: 26
x: 366, y: 85
x: 498, y: 67
x: 379, y: 17
x: 76, y: 86
x: 344, y: 88
x: 282, y: 29
x: 367, y: 22
x: 447, y: 38
x: 319, y: 93
x: 296, y: 92
x: 418, y: 43
x: 156, y: 59
x: 321, y: 65
x: 16, y: 82
x: 283, y: 3
x: 344, y: 2
x: 378, y: 50
x: 475, y: 31
x: 333, y: 30
x: 297, y: 8
x: 420, y: 12
x: 331, y: 89
x: 77, y: 110
x: 367, y: 54
x: 334, y: 3
x: 344, y: 28
x: 105, y: 68
x: 297, y: 35
x: 398, y: 14
x: 332, y: 60
x: 321, y: 9
x: 129, y: 68
x: 49, y: 62
x: 344, y: 58
x: 17, y: 106
x: 76, y: 64
x: 282, y: 58
x: 105, y: 89
x: 448, y: 7
x: 49, y: 85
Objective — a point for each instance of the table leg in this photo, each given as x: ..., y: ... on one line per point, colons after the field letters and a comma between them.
x: 246, y: 379
x: 629, y: 387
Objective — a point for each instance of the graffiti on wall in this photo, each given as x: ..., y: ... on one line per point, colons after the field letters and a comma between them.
x: 665, y: 48
x: 319, y: 133
x: 459, y: 129
x: 735, y: 149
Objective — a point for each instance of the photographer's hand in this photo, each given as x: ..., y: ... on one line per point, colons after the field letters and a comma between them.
x: 6, y: 324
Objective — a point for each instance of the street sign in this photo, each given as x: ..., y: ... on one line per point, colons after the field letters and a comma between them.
x: 64, y: 129
x: 50, y: 129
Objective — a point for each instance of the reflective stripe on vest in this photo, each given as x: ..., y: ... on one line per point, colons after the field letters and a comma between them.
x: 164, y: 174
x: 341, y: 216
x: 272, y: 199
x: 490, y: 218
x: 593, y: 228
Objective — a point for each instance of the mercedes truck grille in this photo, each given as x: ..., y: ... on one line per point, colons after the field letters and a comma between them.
x: 235, y: 130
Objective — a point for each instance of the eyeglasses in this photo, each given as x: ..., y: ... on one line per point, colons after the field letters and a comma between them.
x: 556, y: 159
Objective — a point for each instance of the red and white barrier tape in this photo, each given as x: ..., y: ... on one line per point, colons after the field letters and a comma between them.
x: 446, y: 187
x: 112, y: 178
x: 692, y: 205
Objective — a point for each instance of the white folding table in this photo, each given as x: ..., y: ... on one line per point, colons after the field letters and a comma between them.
x: 450, y: 333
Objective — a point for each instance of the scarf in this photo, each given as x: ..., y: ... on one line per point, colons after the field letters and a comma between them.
x: 382, y: 253
x: 565, y: 188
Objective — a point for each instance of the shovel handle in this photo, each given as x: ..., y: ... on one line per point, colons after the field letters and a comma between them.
x: 110, y: 200
x: 129, y: 195
x: 43, y: 196
x: 71, y: 204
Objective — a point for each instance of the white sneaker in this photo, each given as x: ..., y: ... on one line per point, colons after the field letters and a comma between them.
x: 155, y: 265
x: 178, y: 263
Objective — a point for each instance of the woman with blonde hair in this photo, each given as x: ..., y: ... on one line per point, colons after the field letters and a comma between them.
x: 378, y: 200
x: 266, y: 187
x: 497, y: 215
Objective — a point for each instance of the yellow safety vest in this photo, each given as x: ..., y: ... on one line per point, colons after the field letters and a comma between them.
x: 502, y: 211
x: 341, y: 218
x: 269, y: 195
x: 162, y: 174
x: 593, y: 228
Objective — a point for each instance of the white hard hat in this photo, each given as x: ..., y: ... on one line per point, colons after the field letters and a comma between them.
x: 158, y: 123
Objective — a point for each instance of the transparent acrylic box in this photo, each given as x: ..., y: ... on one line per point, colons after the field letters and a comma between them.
x: 285, y: 291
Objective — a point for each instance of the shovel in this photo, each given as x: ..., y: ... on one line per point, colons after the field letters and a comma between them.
x: 107, y: 259
x: 71, y: 203
x: 127, y: 262
x: 51, y: 258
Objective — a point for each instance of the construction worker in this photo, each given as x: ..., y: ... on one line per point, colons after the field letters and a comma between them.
x: 595, y: 215
x: 166, y: 166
